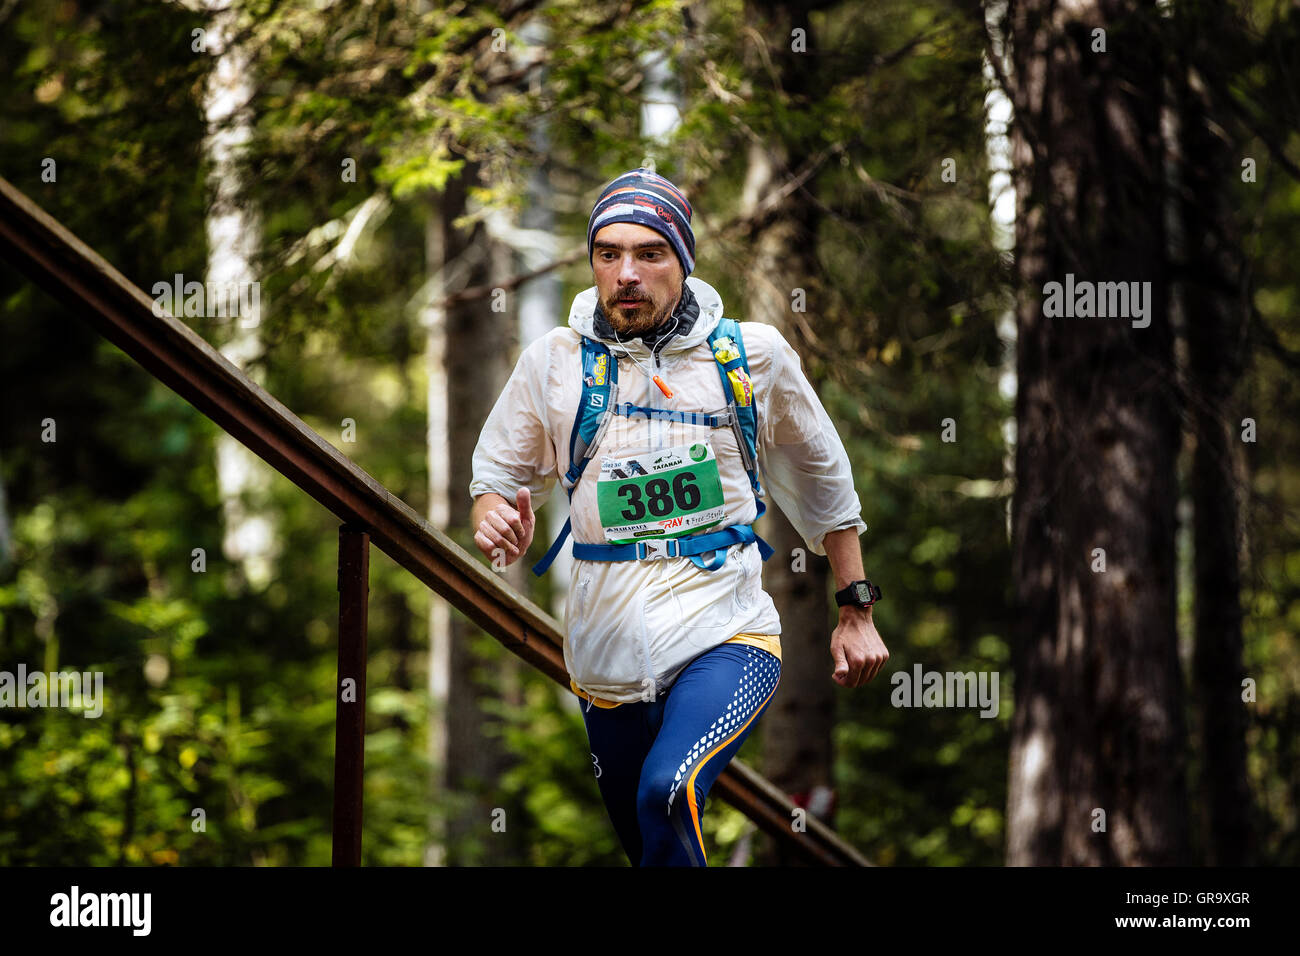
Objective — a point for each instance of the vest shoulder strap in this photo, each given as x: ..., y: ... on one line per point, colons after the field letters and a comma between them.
x: 728, y: 347
x: 599, y: 377
x: 599, y: 389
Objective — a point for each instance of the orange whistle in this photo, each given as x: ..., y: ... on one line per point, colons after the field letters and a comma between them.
x: 662, y: 387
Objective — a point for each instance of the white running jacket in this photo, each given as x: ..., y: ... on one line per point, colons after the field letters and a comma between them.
x: 632, y: 626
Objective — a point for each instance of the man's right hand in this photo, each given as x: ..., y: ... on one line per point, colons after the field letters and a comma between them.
x: 504, y: 531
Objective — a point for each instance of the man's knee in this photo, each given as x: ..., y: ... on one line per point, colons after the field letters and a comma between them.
x: 669, y: 826
x: 658, y: 793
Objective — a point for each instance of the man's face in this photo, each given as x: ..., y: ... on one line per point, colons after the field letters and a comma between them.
x: 638, y: 277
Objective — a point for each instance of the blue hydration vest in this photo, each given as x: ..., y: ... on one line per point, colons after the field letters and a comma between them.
x: 597, y: 406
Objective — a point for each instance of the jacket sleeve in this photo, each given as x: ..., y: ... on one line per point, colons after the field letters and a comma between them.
x: 804, y: 466
x: 515, y: 448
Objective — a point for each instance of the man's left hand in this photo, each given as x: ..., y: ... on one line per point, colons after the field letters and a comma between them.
x: 856, y: 648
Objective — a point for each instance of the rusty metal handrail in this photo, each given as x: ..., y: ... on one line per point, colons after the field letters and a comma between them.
x: 177, y: 356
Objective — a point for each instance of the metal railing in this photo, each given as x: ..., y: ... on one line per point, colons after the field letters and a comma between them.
x: 172, y: 352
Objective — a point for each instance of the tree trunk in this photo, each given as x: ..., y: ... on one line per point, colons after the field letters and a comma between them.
x: 6, y: 534
x: 796, y: 731
x: 234, y: 230
x: 1216, y: 313
x: 1097, y: 769
x: 478, y: 343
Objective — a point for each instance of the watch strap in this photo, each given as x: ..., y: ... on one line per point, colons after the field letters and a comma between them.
x: 852, y: 595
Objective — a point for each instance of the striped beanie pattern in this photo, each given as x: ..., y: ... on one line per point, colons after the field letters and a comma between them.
x: 647, y: 199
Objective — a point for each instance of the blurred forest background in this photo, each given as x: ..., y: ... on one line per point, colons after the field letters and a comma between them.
x: 409, y: 182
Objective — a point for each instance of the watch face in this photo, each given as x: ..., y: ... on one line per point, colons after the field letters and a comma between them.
x: 864, y: 592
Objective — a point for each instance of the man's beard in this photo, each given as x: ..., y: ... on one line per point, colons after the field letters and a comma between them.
x: 638, y: 320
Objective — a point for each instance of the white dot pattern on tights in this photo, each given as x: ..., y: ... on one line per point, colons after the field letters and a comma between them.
x: 757, y: 681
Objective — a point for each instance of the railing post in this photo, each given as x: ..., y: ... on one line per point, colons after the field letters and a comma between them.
x: 350, y: 712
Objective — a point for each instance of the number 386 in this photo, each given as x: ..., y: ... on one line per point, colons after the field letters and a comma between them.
x: 660, y: 497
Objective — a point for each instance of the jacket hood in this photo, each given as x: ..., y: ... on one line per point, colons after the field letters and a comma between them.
x: 582, y: 319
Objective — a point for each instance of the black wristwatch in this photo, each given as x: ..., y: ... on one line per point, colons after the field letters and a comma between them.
x: 859, y: 594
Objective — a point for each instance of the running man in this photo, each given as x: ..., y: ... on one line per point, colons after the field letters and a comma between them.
x: 686, y: 419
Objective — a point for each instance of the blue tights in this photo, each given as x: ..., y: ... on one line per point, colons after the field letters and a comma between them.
x: 656, y: 760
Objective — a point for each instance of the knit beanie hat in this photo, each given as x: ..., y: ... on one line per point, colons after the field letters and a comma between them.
x: 647, y: 199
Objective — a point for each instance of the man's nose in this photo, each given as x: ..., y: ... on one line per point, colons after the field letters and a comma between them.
x: 627, y: 273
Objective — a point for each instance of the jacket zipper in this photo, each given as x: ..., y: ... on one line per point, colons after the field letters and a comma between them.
x: 654, y: 355
x: 654, y: 352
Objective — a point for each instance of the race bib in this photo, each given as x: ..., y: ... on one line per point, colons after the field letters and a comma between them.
x: 660, y: 494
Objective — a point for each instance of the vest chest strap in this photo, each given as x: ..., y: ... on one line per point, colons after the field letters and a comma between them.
x: 720, y: 419
x: 695, y: 547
